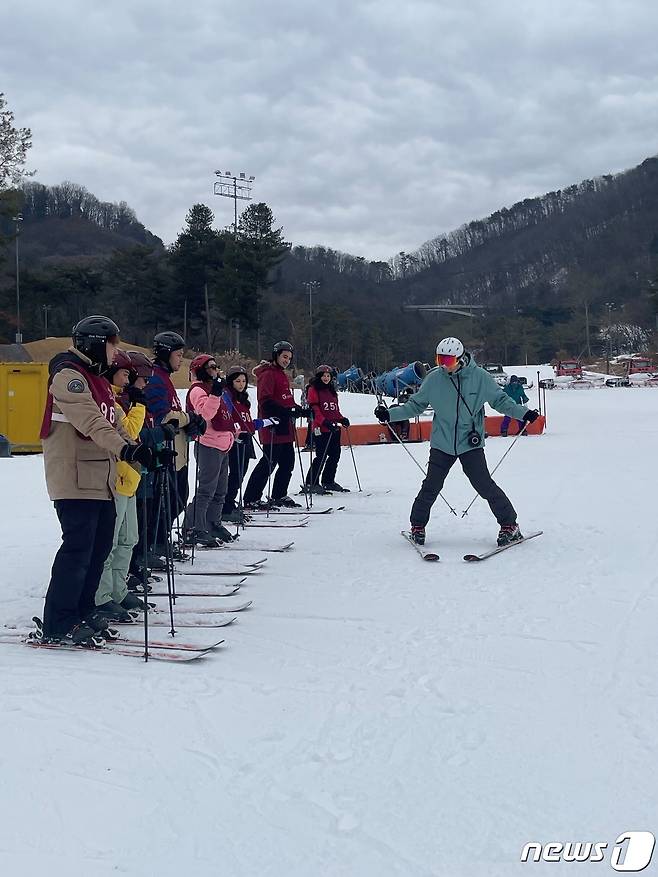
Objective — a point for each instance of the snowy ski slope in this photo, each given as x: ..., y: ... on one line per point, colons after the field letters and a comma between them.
x: 371, y: 715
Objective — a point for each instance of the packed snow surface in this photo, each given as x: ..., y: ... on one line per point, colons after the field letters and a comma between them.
x: 371, y: 714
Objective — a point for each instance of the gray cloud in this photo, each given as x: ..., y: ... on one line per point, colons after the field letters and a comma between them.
x: 370, y: 126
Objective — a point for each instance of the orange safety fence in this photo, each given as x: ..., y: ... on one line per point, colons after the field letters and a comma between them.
x: 419, y: 431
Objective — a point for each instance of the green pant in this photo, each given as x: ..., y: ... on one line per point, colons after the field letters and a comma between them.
x: 113, y: 580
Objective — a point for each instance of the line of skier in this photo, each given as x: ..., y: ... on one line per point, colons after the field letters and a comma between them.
x: 116, y: 444
x: 116, y: 453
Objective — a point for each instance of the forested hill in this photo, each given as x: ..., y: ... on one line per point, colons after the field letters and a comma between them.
x: 601, y: 227
x: 552, y: 272
x: 66, y: 222
x: 559, y: 274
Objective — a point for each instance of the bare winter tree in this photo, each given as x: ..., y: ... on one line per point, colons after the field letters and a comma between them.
x: 14, y: 145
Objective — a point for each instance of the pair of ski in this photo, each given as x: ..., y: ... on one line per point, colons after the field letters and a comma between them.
x: 432, y: 557
x: 234, y: 546
x: 220, y: 592
x: 158, y: 650
x: 301, y: 512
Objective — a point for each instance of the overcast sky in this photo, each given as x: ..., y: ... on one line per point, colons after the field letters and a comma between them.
x: 370, y: 125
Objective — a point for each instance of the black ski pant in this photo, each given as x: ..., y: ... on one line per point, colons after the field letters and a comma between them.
x: 327, y: 454
x: 238, y: 463
x: 280, y: 457
x: 475, y: 468
x: 87, y: 534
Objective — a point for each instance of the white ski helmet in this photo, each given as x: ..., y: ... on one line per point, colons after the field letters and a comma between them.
x: 450, y: 347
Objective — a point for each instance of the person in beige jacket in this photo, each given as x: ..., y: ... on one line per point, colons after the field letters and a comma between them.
x: 81, y: 444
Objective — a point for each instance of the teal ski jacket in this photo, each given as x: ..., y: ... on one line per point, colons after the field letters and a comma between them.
x: 516, y: 392
x: 451, y: 396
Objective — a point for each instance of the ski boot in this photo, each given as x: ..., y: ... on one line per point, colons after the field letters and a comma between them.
x: 132, y: 603
x: 157, y: 562
x: 112, y: 611
x: 315, y: 489
x: 287, y: 502
x: 200, y: 537
x: 135, y: 584
x: 418, y: 534
x: 509, y: 533
x: 235, y: 517
x: 336, y: 488
x: 261, y: 505
x: 220, y: 532
x: 81, y: 634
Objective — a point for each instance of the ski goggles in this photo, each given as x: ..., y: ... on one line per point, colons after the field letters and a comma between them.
x: 446, y: 361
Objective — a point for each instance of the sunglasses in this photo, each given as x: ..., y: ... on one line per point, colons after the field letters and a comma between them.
x: 445, y: 361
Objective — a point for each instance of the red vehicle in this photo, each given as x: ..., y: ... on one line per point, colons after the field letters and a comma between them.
x: 639, y: 365
x: 569, y: 368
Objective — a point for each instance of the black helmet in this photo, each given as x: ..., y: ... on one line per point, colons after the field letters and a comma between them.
x: 279, y: 347
x: 165, y: 343
x: 235, y: 371
x: 90, y: 335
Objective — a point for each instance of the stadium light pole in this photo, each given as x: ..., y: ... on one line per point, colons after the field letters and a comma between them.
x: 19, y: 335
x: 235, y: 186
x: 238, y: 187
x: 609, y: 305
x: 312, y: 288
x: 45, y: 309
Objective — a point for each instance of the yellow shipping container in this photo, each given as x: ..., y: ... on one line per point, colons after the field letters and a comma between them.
x: 23, y: 387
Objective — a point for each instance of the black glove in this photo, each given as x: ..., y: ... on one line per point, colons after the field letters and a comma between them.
x: 242, y: 437
x: 169, y: 431
x: 137, y: 454
x: 217, y: 387
x: 345, y: 421
x: 531, y: 416
x: 196, y: 426
x: 165, y: 456
x: 334, y: 427
x: 298, y: 411
x: 136, y: 395
x: 382, y: 414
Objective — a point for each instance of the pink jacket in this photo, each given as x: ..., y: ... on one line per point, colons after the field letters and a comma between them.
x: 209, y: 407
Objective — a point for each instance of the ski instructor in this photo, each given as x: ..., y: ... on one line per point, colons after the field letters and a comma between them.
x: 457, y: 391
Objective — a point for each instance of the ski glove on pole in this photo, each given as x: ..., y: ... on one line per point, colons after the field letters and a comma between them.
x: 196, y: 426
x: 165, y: 456
x: 169, y: 430
x: 345, y: 421
x: 382, y: 414
x: 137, y: 454
x: 531, y: 416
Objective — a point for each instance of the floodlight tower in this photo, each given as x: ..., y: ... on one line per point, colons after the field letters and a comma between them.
x: 234, y: 186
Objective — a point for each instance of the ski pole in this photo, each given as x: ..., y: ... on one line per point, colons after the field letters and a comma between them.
x: 518, y: 435
x: 313, y: 479
x: 269, y: 472
x: 239, y: 450
x: 196, y: 490
x: 171, y: 592
x: 310, y: 464
x: 356, y: 471
x: 402, y: 445
x: 301, y: 466
x: 145, y: 575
